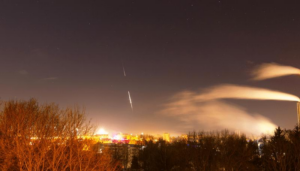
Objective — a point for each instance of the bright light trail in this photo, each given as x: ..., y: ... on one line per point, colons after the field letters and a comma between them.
x: 130, y: 101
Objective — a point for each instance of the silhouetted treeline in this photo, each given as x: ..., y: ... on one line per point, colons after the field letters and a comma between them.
x: 216, y: 151
x: 282, y: 151
x: 210, y: 151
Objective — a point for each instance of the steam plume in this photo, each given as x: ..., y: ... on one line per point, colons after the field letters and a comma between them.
x: 205, y: 109
x: 228, y: 91
x: 216, y: 115
x: 272, y: 70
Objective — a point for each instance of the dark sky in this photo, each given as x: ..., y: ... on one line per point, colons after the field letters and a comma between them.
x: 71, y: 52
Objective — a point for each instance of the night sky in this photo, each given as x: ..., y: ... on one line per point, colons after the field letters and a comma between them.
x: 73, y: 52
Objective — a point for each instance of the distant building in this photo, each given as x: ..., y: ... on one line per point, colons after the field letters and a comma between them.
x: 133, y: 150
x: 122, y: 152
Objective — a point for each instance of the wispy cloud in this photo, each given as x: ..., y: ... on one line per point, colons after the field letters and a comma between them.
x: 49, y: 78
x: 23, y: 72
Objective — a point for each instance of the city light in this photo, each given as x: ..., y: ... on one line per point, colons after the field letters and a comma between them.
x: 101, y: 131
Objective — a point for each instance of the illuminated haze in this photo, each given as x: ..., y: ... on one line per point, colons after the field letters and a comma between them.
x: 273, y: 70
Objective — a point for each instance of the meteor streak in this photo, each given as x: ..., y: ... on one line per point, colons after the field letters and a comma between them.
x: 273, y: 70
x: 130, y: 101
x: 124, y: 71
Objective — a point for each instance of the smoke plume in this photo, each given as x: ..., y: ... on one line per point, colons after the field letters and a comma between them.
x: 272, y: 70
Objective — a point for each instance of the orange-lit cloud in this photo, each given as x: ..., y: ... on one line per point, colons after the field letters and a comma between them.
x: 273, y: 70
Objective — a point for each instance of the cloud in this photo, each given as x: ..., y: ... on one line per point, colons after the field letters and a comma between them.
x: 49, y: 78
x: 23, y: 72
x: 273, y: 70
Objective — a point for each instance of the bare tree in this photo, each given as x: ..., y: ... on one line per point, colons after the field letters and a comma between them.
x: 43, y: 137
